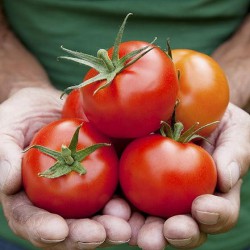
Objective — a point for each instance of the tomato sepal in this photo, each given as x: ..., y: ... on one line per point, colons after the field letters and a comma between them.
x: 175, y: 129
x: 107, y: 67
x: 176, y: 132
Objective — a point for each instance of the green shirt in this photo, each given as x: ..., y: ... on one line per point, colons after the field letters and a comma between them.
x: 88, y: 25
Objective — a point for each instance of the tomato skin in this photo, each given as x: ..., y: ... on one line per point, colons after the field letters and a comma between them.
x: 138, y: 98
x: 203, y: 92
x: 162, y: 177
x: 72, y: 107
x: 72, y: 195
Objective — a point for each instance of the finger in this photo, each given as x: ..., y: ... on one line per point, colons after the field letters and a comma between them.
x: 232, y: 152
x: 136, y: 222
x: 83, y: 234
x: 150, y: 236
x: 38, y: 226
x: 117, y: 230
x: 217, y: 214
x: 150, y: 219
x: 118, y: 207
x: 181, y: 231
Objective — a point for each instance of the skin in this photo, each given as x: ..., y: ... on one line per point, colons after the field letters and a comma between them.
x: 234, y: 57
x: 112, y: 226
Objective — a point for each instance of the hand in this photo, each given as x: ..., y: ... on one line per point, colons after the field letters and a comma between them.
x: 211, y: 214
x: 20, y: 117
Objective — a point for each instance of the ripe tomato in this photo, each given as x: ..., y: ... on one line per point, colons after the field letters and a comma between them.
x: 138, y: 98
x: 129, y: 89
x: 72, y: 195
x: 162, y: 177
x: 203, y: 89
x: 72, y: 107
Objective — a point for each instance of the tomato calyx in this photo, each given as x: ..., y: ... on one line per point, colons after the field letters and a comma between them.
x: 174, y: 130
x: 68, y: 159
x: 107, y: 67
x: 176, y: 133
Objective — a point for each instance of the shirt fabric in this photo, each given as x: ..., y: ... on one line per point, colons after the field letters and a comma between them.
x: 88, y: 25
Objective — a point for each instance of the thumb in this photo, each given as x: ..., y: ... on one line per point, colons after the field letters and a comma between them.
x: 232, y: 152
x: 10, y: 166
x: 18, y: 124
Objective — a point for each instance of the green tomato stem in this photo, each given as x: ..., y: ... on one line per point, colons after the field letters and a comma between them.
x: 103, y: 54
x: 67, y: 155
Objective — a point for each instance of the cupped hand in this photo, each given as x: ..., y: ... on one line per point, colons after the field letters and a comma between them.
x: 211, y: 214
x: 20, y: 117
x: 51, y: 231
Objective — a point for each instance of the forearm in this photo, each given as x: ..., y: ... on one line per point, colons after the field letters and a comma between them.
x: 18, y: 67
x: 234, y: 57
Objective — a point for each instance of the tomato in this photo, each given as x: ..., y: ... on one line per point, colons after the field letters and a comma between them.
x: 203, y: 89
x: 129, y: 89
x: 72, y: 107
x: 137, y: 99
x: 71, y: 195
x: 162, y: 177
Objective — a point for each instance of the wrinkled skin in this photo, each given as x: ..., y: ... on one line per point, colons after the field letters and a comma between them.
x: 212, y: 214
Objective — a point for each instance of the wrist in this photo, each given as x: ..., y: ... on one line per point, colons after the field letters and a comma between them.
x: 18, y: 67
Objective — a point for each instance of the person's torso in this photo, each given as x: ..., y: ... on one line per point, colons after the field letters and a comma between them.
x: 88, y: 25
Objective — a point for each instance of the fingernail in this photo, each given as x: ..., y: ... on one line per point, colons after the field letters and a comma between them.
x: 234, y: 172
x: 207, y: 218
x: 50, y: 241
x: 88, y: 245
x: 179, y: 242
x: 116, y: 242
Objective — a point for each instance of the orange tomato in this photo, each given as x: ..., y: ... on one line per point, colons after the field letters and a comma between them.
x: 203, y: 89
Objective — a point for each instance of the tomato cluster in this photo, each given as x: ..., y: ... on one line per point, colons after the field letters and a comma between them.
x: 119, y: 126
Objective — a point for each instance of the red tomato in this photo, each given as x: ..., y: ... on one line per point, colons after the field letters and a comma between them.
x: 72, y: 195
x: 72, y: 107
x: 138, y: 98
x: 162, y: 177
x: 203, y: 89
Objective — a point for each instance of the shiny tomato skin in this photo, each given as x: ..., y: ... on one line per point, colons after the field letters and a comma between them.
x: 203, y: 89
x: 73, y: 107
x: 72, y: 195
x: 138, y: 99
x: 162, y: 177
